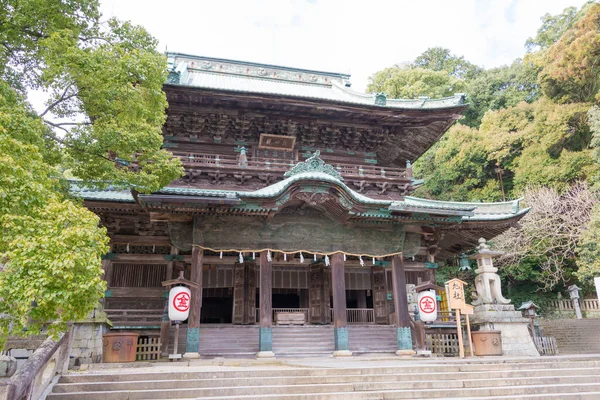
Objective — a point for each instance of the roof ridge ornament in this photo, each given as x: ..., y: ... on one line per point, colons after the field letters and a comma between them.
x: 313, y: 164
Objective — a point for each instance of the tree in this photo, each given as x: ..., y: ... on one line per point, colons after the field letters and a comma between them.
x: 105, y: 88
x: 410, y: 83
x: 542, y: 143
x: 549, y: 236
x: 570, y: 68
x: 440, y: 59
x: 554, y: 26
x: 103, y: 121
x: 498, y: 88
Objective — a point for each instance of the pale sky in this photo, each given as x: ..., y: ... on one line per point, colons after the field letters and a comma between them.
x: 357, y: 37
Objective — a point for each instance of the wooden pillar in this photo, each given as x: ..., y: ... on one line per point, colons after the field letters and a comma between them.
x: 193, y: 332
x: 265, y: 339
x: 165, y: 325
x: 340, y: 324
x: 401, y: 307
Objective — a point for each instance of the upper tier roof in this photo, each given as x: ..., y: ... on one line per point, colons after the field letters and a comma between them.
x: 246, y: 77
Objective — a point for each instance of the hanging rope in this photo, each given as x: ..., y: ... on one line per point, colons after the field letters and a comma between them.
x: 269, y: 250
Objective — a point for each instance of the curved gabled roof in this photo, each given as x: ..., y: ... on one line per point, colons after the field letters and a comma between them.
x: 247, y: 77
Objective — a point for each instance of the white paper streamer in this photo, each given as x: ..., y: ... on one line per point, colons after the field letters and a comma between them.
x: 326, y: 260
x: 284, y: 257
x: 345, y: 257
x: 253, y: 255
x: 241, y: 258
x: 362, y: 263
x: 154, y: 248
x: 221, y: 255
x: 301, y: 258
x: 315, y: 257
x: 128, y: 247
x: 373, y: 260
x: 269, y: 255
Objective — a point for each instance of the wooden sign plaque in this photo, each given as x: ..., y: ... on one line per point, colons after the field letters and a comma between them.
x: 276, y: 142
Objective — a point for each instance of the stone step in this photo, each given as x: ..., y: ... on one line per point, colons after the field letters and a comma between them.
x: 441, y: 379
x: 433, y: 369
x: 427, y: 390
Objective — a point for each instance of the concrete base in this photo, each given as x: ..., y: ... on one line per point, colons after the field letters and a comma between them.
x: 265, y: 354
x: 342, y: 353
x: 516, y: 340
x: 405, y: 353
x: 191, y: 355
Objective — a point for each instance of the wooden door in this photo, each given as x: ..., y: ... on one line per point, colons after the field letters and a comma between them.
x: 318, y: 296
x: 379, y: 295
x: 244, y: 294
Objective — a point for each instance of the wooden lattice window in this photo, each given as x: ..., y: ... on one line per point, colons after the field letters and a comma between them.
x: 138, y: 275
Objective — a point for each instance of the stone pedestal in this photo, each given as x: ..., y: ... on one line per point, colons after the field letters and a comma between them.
x: 516, y: 340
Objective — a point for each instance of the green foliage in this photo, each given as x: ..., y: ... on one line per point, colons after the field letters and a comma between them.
x: 50, y: 245
x: 554, y: 26
x: 103, y: 122
x: 440, y: 59
x: 540, y: 143
x: 110, y: 74
x: 410, y: 83
x: 498, y: 88
x: 570, y: 68
x: 588, y: 250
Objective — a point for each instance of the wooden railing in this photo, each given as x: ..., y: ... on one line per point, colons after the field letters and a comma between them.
x: 360, y: 315
x: 546, y: 345
x: 135, y: 318
x: 32, y: 379
x: 279, y: 165
x: 442, y: 343
x: 353, y: 315
x: 306, y: 312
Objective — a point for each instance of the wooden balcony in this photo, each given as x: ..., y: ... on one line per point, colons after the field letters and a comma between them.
x: 207, y: 170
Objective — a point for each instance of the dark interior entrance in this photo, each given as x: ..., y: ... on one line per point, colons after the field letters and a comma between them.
x: 286, y: 298
x: 217, y: 304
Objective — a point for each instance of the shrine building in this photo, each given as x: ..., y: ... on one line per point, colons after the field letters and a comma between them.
x: 294, y: 217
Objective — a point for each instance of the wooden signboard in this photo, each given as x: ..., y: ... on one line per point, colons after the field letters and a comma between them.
x: 276, y: 142
x: 456, y: 300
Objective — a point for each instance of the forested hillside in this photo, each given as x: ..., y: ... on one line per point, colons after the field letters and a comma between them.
x: 532, y: 130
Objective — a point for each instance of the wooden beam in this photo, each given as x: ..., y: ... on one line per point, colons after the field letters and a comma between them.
x: 143, y: 240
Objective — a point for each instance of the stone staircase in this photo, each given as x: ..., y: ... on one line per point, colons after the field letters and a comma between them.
x: 303, y: 340
x: 547, y: 378
x: 372, y: 339
x: 221, y: 340
x: 574, y: 336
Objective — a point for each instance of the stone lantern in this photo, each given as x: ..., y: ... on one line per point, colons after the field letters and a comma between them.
x: 493, y: 312
x: 487, y: 281
x: 528, y: 308
x: 574, y: 294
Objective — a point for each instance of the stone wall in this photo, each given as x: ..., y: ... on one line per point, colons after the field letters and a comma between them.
x: 87, y: 343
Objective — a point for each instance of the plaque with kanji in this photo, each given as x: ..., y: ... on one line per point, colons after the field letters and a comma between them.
x: 456, y: 294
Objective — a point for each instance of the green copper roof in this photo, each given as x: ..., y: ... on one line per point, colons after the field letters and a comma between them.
x: 315, y: 170
x: 245, y: 77
x: 108, y: 194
